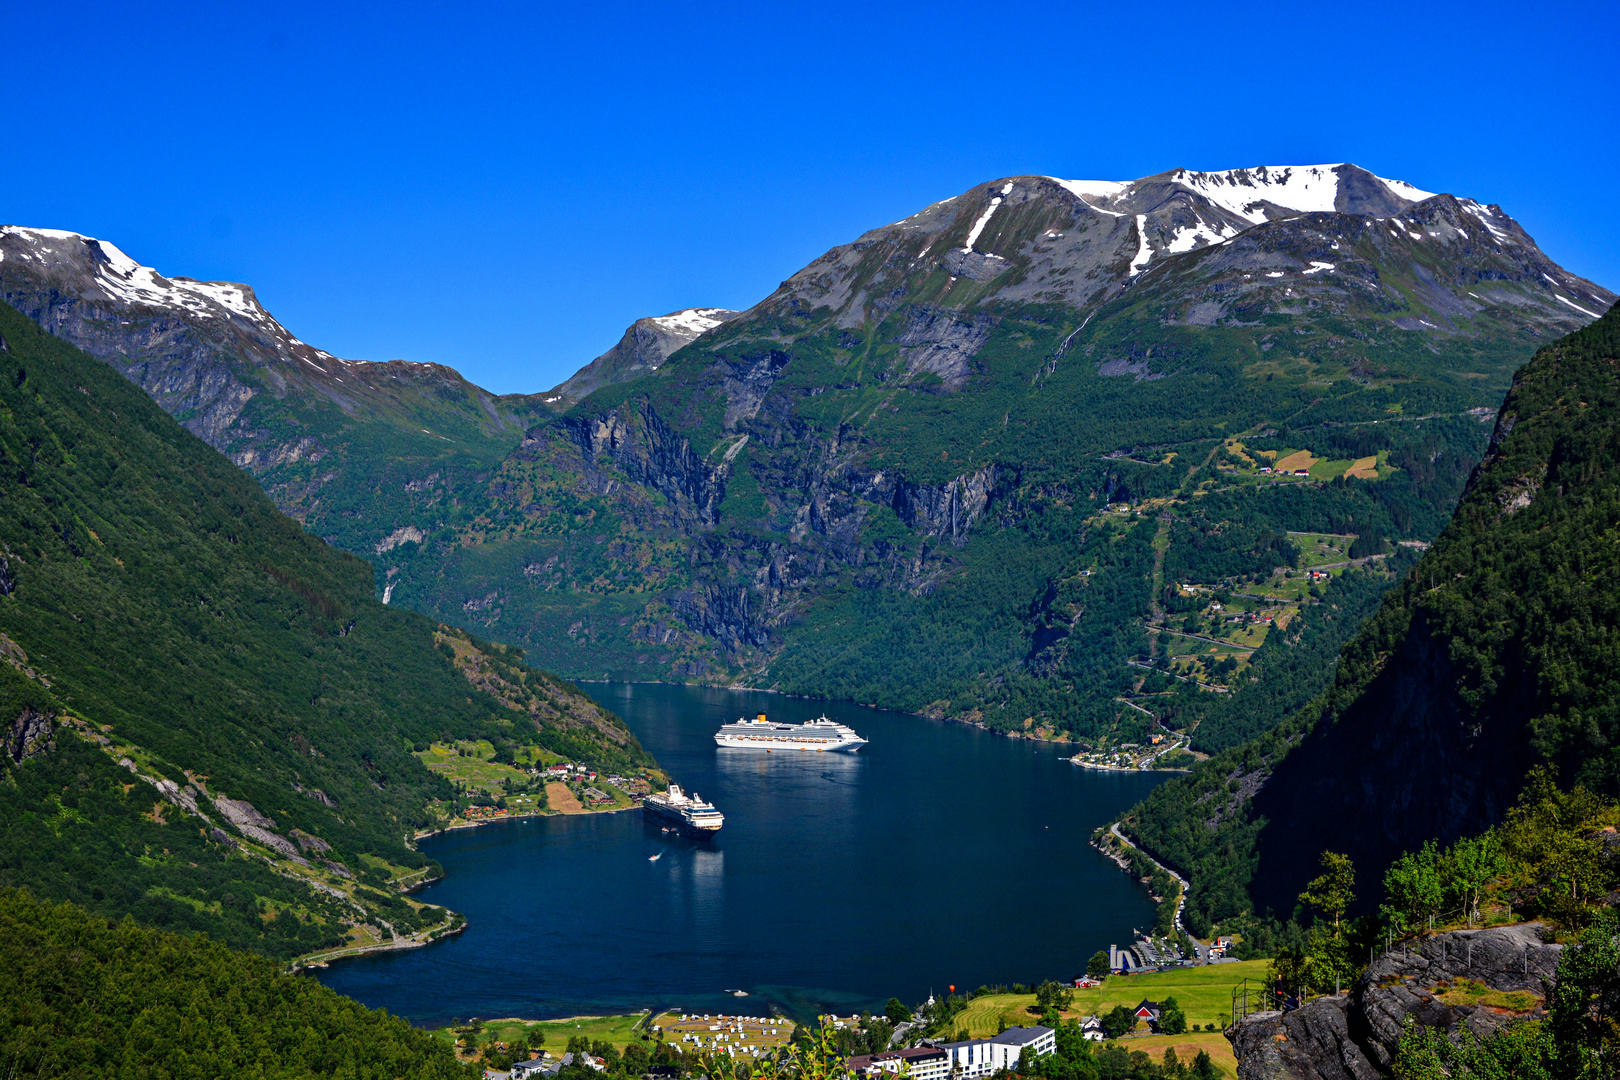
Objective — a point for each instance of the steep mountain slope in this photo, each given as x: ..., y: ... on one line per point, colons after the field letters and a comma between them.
x: 84, y: 996
x: 887, y: 480
x: 1497, y: 652
x: 207, y: 720
x: 345, y: 447
x: 647, y: 344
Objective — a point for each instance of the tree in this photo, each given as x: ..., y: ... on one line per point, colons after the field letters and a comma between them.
x: 1097, y: 966
x: 1585, y: 1003
x: 1118, y: 1021
x: 896, y: 1012
x: 1203, y: 1067
x: 1414, y: 888
x: 1172, y: 1021
x: 1330, y: 894
x: 1472, y: 862
x: 1051, y: 995
x: 1173, y: 1068
x: 636, y: 1059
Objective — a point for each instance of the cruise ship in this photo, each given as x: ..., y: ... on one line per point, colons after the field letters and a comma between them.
x: 688, y: 813
x: 762, y: 734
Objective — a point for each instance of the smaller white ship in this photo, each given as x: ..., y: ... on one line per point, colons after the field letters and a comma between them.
x: 762, y: 734
x: 687, y: 813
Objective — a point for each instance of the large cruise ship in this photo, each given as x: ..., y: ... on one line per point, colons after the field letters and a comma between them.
x: 762, y: 734
x: 689, y: 813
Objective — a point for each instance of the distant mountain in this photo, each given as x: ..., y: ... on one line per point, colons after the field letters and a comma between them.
x: 892, y: 479
x: 884, y: 481
x: 1494, y: 655
x: 206, y: 719
x: 344, y: 446
x: 647, y: 344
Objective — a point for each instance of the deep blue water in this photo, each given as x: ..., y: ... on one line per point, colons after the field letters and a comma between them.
x: 938, y: 854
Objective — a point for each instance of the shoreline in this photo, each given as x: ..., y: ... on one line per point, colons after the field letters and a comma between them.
x: 454, y: 925
x: 510, y: 817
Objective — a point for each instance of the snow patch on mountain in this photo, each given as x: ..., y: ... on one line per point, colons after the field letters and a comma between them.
x: 692, y: 321
x: 1143, y: 251
x: 125, y: 280
x: 984, y: 218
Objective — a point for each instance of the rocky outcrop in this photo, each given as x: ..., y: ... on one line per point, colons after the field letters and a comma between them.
x: 29, y: 735
x: 1312, y: 1043
x: 254, y: 825
x: 1466, y: 981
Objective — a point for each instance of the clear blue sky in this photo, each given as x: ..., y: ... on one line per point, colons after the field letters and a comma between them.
x: 503, y: 188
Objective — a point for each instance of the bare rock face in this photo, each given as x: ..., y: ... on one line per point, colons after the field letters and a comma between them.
x: 1313, y: 1043
x: 1404, y: 983
x: 1353, y: 1036
x: 255, y: 826
x: 29, y: 735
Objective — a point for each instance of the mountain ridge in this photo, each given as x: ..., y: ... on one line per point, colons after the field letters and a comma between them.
x: 921, y: 427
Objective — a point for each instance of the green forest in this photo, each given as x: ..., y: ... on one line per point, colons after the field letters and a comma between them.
x: 1493, y: 654
x: 86, y: 996
x: 153, y: 595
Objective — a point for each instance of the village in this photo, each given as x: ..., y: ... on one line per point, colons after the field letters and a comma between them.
x: 491, y: 786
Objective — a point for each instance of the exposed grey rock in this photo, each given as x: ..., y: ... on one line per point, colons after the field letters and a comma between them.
x: 255, y: 826
x: 29, y: 735
x: 943, y: 343
x: 8, y: 584
x: 1401, y: 983
x: 224, y: 838
x: 1312, y: 1043
x: 309, y: 843
x: 1354, y: 1036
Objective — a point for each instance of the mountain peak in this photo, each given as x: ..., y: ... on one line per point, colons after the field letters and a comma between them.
x: 645, y: 345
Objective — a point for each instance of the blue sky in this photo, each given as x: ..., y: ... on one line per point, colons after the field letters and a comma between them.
x: 503, y: 188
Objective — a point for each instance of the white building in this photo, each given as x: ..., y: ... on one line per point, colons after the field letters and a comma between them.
x: 918, y: 1063
x: 981, y: 1057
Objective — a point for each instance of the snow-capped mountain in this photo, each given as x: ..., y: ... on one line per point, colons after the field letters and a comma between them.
x: 644, y: 346
x: 302, y: 420
x: 1041, y: 239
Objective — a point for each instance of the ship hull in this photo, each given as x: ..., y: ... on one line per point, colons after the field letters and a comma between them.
x: 744, y: 743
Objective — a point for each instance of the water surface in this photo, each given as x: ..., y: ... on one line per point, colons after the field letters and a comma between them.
x: 939, y: 854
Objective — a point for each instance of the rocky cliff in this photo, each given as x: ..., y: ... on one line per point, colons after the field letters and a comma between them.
x: 1467, y: 981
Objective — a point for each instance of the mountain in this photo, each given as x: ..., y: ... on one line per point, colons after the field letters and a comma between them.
x: 1493, y: 655
x: 900, y: 478
x: 648, y: 343
x: 887, y: 481
x: 207, y: 721
x: 341, y: 445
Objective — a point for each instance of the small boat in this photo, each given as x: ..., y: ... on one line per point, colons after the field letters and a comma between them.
x: 655, y: 858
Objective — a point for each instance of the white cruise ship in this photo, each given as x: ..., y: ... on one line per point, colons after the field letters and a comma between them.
x: 687, y: 813
x: 762, y: 734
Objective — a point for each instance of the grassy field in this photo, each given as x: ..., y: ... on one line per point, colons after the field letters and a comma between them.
x: 1187, y: 1046
x: 618, y: 1030
x: 1204, y: 994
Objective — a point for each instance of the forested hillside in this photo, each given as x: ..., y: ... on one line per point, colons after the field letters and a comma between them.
x: 209, y: 721
x: 88, y: 997
x: 1497, y: 651
x: 1036, y: 457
